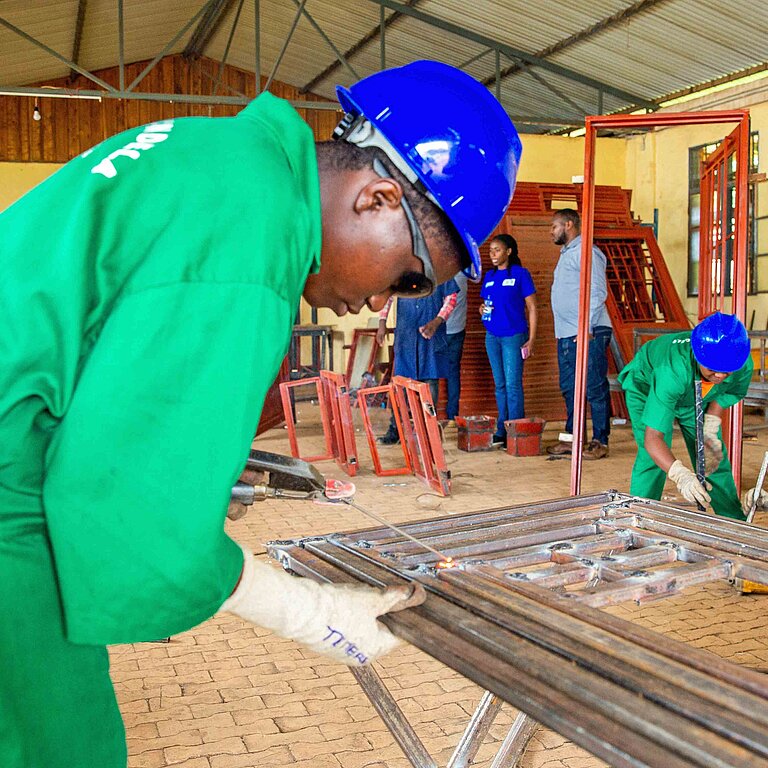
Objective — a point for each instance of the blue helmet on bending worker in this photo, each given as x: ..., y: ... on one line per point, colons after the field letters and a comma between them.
x: 720, y: 343
x: 465, y: 160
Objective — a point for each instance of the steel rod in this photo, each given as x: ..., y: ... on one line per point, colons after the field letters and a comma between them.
x: 152, y: 64
x: 121, y: 43
x: 476, y: 731
x: 286, y: 43
x: 397, y: 530
x: 758, y: 488
x: 56, y: 55
x: 257, y: 44
x: 224, y: 58
x: 397, y: 723
x: 515, y: 742
x: 700, y: 458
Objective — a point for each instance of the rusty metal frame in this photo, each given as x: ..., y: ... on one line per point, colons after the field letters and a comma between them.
x: 290, y: 421
x: 421, y: 433
x: 519, y: 614
x: 370, y: 435
x: 342, y: 427
x: 593, y: 124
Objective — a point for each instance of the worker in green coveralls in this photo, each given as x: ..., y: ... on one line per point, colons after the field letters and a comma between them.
x: 147, y: 299
x: 659, y: 388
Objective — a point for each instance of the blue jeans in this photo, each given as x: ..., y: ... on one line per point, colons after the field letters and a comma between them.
x: 455, y: 348
x: 507, y: 367
x: 598, y: 391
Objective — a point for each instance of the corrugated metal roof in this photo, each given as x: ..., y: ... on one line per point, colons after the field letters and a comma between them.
x: 648, y: 48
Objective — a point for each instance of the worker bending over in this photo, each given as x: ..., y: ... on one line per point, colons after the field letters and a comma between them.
x: 138, y: 339
x: 659, y: 388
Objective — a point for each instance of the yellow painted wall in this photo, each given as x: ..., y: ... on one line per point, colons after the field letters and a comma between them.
x: 18, y: 178
x: 657, y: 172
x: 557, y: 159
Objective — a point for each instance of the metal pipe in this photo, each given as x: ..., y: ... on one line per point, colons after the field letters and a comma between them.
x: 224, y: 58
x: 181, y: 98
x: 550, y: 689
x: 170, y: 45
x: 257, y: 44
x: 56, y: 55
x: 758, y: 488
x: 585, y: 293
x: 700, y: 458
x: 475, y: 732
x: 286, y: 42
x: 515, y: 742
x: 121, y: 43
x: 393, y: 717
x: 339, y: 55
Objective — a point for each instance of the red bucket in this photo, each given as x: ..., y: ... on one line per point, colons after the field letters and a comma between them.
x: 475, y: 433
x: 524, y: 436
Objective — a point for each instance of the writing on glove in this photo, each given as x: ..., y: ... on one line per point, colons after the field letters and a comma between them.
x: 336, y: 620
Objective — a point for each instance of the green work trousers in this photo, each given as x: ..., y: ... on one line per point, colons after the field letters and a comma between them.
x: 648, y: 479
x: 57, y: 704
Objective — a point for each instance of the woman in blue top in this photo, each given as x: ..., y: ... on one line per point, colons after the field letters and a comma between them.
x: 508, y: 295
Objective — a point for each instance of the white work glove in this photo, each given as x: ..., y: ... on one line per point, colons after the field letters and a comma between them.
x: 336, y: 620
x: 713, y: 447
x: 748, y: 498
x: 688, y: 484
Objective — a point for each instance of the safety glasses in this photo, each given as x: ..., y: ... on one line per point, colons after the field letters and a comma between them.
x: 412, y: 284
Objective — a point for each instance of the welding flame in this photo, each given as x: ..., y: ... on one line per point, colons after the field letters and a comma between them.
x: 447, y: 563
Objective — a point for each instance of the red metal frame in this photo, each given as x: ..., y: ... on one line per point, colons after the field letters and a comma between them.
x: 371, y: 436
x: 290, y: 423
x: 339, y: 413
x: 715, y: 231
x: 421, y: 433
x: 593, y: 124
x: 641, y: 292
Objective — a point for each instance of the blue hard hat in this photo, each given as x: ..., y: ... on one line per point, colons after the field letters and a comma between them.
x: 720, y: 343
x: 454, y: 136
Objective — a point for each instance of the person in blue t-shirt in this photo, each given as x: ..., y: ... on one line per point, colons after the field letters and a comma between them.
x: 508, y: 295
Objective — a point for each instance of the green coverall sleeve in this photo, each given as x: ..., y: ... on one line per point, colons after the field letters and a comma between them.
x: 665, y: 390
x: 140, y: 469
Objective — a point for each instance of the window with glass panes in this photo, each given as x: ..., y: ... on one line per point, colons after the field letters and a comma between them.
x: 757, y: 246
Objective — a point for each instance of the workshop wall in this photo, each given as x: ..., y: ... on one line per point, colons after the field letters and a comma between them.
x: 653, y: 166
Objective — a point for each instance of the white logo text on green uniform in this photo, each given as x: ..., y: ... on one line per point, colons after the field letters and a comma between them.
x: 149, y: 136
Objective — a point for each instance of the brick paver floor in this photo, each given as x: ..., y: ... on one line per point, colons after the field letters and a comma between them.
x: 230, y: 695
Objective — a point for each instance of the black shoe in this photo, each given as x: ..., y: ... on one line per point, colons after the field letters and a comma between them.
x: 499, y: 441
x: 390, y: 438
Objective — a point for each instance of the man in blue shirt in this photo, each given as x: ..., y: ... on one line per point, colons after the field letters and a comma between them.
x: 566, y: 232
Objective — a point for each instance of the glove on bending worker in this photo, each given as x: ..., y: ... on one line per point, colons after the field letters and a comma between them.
x: 659, y: 388
x: 139, y: 338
